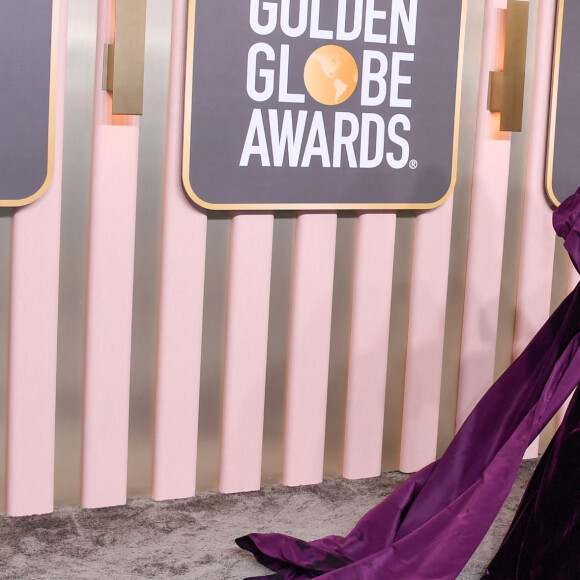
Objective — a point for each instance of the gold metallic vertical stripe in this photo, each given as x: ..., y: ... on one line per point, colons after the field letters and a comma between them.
x: 213, y: 352
x: 78, y: 107
x: 554, y: 104
x: 148, y: 243
x: 471, y: 67
x: 400, y: 309
x: 51, y: 113
x: 5, y: 258
x: 278, y: 333
x: 341, y: 321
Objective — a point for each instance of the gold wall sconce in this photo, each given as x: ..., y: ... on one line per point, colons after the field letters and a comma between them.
x: 506, y: 88
x: 124, y: 61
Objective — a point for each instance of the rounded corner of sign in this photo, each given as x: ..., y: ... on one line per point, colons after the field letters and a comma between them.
x: 439, y: 202
x: 551, y: 195
x: 31, y: 198
x: 24, y: 201
x: 194, y: 197
x: 449, y: 191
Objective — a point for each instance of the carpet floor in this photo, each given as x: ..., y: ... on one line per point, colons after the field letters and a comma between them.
x: 194, y: 538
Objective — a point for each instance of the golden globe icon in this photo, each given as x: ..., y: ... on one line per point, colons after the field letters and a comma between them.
x: 330, y: 74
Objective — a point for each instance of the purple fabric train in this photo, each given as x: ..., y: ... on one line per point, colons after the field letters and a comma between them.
x: 430, y: 526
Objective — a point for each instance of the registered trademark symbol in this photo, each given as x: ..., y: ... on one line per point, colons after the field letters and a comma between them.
x: 413, y: 164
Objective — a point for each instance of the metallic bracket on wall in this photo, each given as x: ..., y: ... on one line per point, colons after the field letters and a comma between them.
x: 506, y: 88
x: 123, y: 61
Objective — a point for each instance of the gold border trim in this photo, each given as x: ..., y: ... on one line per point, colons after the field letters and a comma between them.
x: 309, y: 206
x: 554, y: 104
x: 53, y: 90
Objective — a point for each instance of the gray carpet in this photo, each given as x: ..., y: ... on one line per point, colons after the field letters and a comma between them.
x: 194, y: 538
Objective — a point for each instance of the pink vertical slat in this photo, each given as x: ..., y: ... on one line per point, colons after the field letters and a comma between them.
x: 309, y: 348
x: 109, y: 316
x: 109, y: 292
x: 181, y: 304
x: 426, y: 335
x: 369, y: 339
x: 33, y: 332
x: 246, y: 350
x: 538, y: 238
x: 486, y: 234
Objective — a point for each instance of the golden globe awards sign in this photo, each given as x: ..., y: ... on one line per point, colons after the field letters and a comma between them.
x: 28, y: 47
x: 322, y: 104
x: 563, y: 169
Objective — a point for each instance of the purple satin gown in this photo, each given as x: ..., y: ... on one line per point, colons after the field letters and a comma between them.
x: 431, y: 524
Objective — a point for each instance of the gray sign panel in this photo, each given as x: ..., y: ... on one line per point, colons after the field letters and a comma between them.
x: 322, y: 104
x: 28, y: 70
x: 563, y: 167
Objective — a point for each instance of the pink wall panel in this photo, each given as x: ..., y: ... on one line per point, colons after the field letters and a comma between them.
x: 109, y: 315
x: 246, y: 349
x: 181, y: 305
x: 109, y: 291
x: 486, y: 233
x: 369, y: 340
x: 33, y: 333
x: 309, y: 347
x: 426, y: 337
